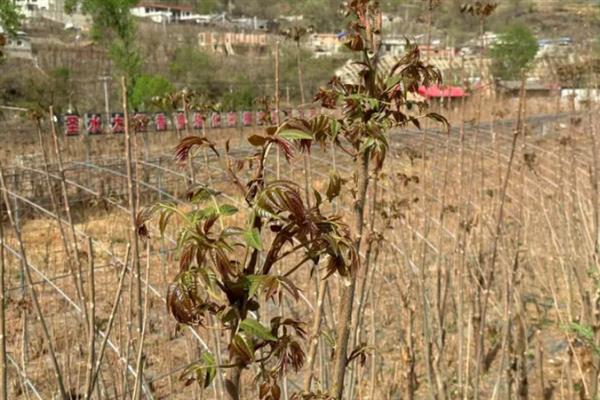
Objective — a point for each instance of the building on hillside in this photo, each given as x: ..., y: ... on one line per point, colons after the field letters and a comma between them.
x: 394, y: 46
x: 54, y: 10
x: 452, y: 69
x: 29, y: 7
x: 18, y: 46
x: 443, y: 95
x: 253, y: 23
x: 533, y: 89
x: 291, y: 18
x: 325, y: 44
x: 579, y: 98
x: 474, y: 46
x: 163, y: 13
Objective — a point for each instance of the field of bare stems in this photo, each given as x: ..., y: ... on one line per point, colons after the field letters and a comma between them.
x: 481, y: 280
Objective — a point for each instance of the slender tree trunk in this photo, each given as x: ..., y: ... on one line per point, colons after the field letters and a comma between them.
x: 314, y: 337
x: 34, y: 295
x: 277, y: 105
x: 3, y: 372
x: 347, y: 301
x: 489, y: 281
x: 91, y: 321
x: 133, y: 237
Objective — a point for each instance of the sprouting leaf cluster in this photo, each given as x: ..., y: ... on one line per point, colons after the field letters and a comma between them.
x: 227, y: 269
x: 236, y: 256
x: 185, y: 99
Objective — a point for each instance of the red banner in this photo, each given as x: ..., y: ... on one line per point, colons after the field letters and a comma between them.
x: 215, y: 120
x: 260, y: 118
x: 274, y: 117
x: 232, y: 119
x: 180, y: 120
x: 246, y: 118
x: 93, y: 124
x: 71, y: 124
x: 198, y: 120
x: 140, y: 122
x: 117, y: 122
x: 160, y: 122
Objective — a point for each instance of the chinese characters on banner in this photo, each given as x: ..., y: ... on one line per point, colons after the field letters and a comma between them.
x: 232, y: 119
x: 117, y: 122
x: 93, y: 124
x: 71, y: 124
x: 260, y: 118
x: 215, y: 120
x: 180, y: 121
x: 140, y: 122
x: 274, y: 117
x: 160, y: 122
x: 246, y: 118
x: 198, y: 120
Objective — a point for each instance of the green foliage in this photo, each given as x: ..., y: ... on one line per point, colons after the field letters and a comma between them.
x: 146, y: 88
x: 586, y: 334
x: 204, y: 371
x: 513, y: 53
x: 10, y: 20
x: 10, y: 17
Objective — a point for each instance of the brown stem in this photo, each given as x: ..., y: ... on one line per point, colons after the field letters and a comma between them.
x: 133, y: 236
x: 111, y: 319
x: 499, y: 223
x: 67, y: 206
x: 91, y: 321
x: 232, y: 381
x: 3, y: 371
x: 34, y: 295
x: 139, y: 369
x: 314, y: 336
x: 347, y: 301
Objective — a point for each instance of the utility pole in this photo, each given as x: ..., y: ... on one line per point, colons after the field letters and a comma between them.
x: 105, y: 80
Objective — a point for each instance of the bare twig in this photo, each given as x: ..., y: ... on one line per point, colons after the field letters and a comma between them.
x: 38, y: 308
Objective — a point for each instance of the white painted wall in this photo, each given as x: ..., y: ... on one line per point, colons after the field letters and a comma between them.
x: 29, y: 7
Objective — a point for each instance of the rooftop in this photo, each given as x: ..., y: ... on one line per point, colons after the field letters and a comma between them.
x: 164, y: 6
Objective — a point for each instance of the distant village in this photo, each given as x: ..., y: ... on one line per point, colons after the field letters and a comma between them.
x: 227, y: 34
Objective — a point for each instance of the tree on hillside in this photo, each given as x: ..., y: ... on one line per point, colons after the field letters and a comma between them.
x: 147, y: 87
x: 115, y: 27
x: 10, y: 19
x: 515, y: 49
